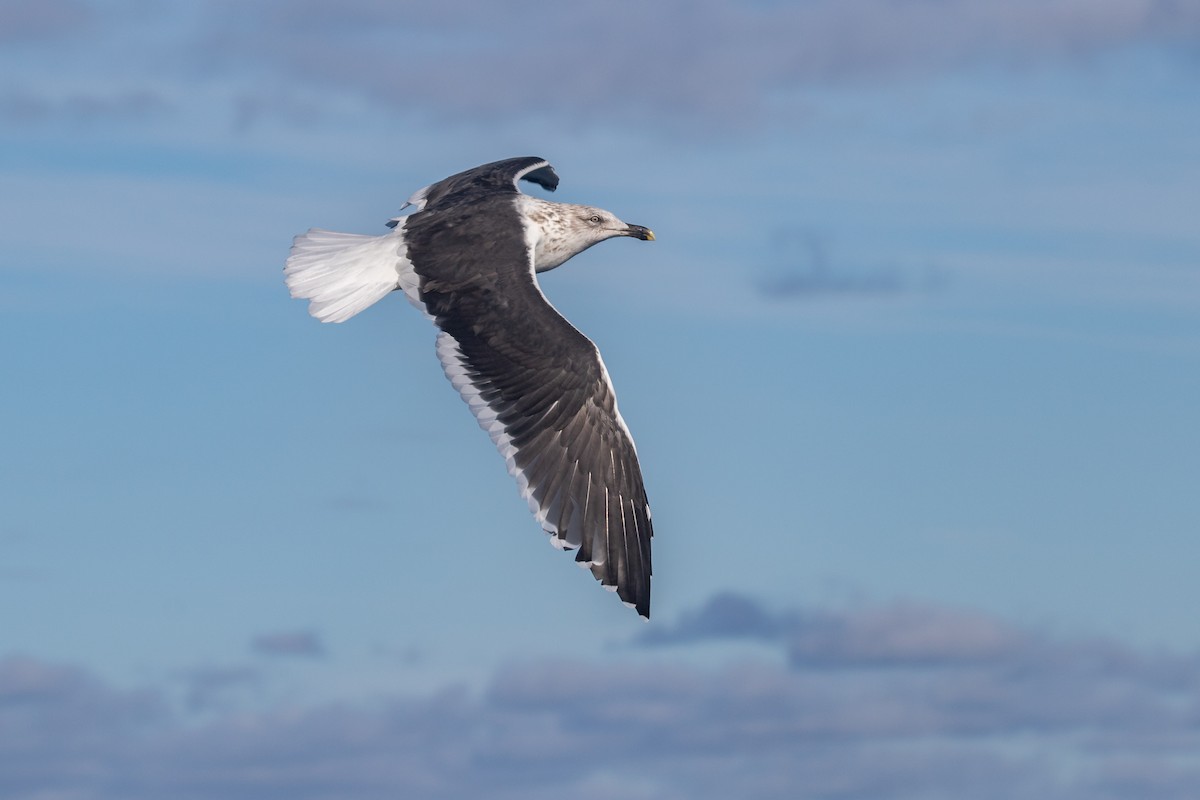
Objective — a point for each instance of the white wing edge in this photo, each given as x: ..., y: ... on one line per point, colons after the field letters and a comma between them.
x: 458, y: 373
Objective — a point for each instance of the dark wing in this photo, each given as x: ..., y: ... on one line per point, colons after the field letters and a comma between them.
x: 556, y: 423
x: 540, y: 389
x: 496, y: 177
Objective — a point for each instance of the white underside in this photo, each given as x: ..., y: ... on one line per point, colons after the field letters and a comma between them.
x: 340, y: 274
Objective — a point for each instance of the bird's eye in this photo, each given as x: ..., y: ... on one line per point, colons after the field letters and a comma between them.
x: 594, y: 219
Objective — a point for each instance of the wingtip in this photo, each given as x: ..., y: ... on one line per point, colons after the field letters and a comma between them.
x: 540, y: 172
x: 642, y: 609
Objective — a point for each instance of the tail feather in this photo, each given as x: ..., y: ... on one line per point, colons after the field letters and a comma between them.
x: 340, y: 274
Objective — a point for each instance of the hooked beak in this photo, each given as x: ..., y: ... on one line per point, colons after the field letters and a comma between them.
x: 638, y: 232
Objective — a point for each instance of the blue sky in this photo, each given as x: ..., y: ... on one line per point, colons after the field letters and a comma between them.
x: 913, y: 368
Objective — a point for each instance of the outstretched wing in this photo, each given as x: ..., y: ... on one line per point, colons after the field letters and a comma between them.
x: 540, y: 389
x: 498, y: 176
x: 564, y: 441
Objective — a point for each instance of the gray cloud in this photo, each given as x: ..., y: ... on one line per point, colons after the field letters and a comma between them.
x: 801, y: 267
x: 902, y: 635
x: 26, y: 107
x: 701, y: 69
x: 60, y: 726
x: 908, y: 701
x: 896, y: 635
x: 726, y: 615
x: 218, y: 688
x: 24, y: 21
x: 908, y: 636
x: 715, y: 62
x: 289, y: 643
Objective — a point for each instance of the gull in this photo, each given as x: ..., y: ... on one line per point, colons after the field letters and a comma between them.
x: 467, y: 256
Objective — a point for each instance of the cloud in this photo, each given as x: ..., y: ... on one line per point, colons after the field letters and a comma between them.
x: 718, y: 62
x: 698, y: 68
x: 289, y: 643
x: 726, y: 615
x: 902, y: 635
x: 213, y: 687
x: 897, y: 635
x: 802, y: 268
x: 883, y: 703
x: 25, y: 107
x: 25, y: 21
x: 60, y: 726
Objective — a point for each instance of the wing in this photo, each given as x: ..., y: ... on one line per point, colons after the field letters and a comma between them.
x: 540, y: 389
x: 498, y: 176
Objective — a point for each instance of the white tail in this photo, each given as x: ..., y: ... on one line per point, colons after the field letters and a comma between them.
x: 340, y: 274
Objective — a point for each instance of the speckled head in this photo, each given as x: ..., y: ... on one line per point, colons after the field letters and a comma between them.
x: 561, y: 230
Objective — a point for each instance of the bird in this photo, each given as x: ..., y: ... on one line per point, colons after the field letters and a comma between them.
x: 467, y: 255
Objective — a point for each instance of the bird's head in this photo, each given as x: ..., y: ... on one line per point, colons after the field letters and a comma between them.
x: 568, y: 229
